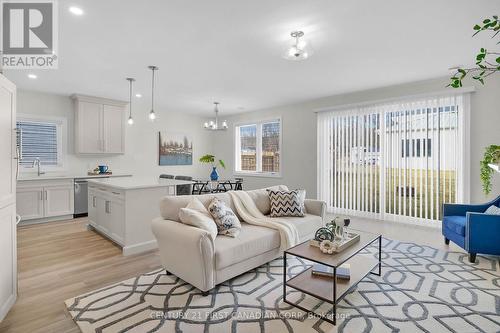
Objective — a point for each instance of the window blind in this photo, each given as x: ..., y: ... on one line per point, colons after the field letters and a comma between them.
x: 399, y: 160
x: 38, y: 139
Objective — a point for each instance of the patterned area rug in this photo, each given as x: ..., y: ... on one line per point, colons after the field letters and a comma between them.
x: 421, y: 290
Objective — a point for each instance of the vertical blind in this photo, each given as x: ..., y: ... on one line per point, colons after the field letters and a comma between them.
x: 37, y: 139
x: 399, y: 160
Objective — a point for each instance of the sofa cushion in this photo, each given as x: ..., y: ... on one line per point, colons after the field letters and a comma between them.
x: 455, y: 224
x: 287, y: 203
x: 224, y: 217
x: 171, y: 205
x: 252, y: 241
x: 306, y: 225
x: 199, y: 220
x: 261, y: 197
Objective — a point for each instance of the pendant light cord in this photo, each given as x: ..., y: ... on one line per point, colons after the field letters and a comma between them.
x: 130, y: 101
x: 152, y: 89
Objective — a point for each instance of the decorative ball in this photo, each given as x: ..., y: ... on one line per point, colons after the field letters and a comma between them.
x: 328, y: 247
x: 324, y: 234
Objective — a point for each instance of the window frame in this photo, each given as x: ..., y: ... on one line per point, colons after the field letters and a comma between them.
x: 258, y: 144
x: 61, y: 130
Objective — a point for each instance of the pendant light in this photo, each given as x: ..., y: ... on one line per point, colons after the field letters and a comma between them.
x: 130, y: 120
x: 214, y: 125
x: 152, y: 115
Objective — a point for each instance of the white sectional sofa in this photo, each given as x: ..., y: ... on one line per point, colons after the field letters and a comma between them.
x: 190, y: 253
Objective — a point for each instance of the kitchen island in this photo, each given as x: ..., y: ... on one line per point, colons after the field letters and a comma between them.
x: 121, y: 209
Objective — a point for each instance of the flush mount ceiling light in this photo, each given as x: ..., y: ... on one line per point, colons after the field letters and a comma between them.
x: 152, y: 114
x: 32, y: 76
x: 76, y: 11
x: 130, y: 120
x: 300, y: 49
x: 138, y: 95
x: 214, y: 125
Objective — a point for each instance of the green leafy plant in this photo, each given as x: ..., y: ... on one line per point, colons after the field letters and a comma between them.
x: 487, y: 62
x: 210, y: 159
x: 491, y: 156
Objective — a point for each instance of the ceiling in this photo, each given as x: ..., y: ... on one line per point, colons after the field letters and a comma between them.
x: 230, y: 51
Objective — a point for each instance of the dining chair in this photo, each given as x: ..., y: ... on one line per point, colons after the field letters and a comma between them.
x: 184, y: 189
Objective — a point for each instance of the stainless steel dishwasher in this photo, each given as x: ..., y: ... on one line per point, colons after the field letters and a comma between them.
x: 81, y: 198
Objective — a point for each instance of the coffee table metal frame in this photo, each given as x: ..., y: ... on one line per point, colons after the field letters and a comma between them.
x: 334, y: 280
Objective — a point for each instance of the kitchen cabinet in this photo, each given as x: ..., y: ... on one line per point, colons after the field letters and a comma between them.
x: 122, y: 210
x: 45, y: 199
x: 30, y: 202
x: 58, y: 200
x: 99, y: 125
x: 107, y: 213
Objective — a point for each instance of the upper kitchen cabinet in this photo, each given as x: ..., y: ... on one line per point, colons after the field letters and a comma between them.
x: 99, y: 125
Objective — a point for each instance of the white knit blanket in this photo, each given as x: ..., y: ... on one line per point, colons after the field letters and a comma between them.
x: 250, y: 214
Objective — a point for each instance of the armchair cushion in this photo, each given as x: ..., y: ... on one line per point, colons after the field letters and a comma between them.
x: 455, y: 224
x: 493, y: 210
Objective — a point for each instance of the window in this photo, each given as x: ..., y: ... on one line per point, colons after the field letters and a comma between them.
x: 417, y: 150
x: 39, y: 139
x: 399, y: 160
x: 258, y: 148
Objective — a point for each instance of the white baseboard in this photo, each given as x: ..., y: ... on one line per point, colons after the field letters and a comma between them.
x: 139, y: 248
x: 46, y: 219
x: 4, y: 309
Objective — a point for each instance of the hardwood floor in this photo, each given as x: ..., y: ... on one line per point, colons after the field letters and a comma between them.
x: 60, y: 260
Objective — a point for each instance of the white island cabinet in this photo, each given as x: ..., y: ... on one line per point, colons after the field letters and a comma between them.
x: 121, y: 209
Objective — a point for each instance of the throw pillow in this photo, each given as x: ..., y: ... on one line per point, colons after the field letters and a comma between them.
x: 225, y: 219
x: 197, y: 219
x: 493, y: 210
x: 197, y: 205
x: 287, y: 203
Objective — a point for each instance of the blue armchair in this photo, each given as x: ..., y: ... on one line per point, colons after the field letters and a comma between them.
x: 471, y: 229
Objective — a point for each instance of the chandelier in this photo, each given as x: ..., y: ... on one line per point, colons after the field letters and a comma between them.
x: 300, y: 49
x: 213, y: 125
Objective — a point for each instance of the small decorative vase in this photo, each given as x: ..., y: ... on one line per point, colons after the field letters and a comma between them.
x: 214, y: 175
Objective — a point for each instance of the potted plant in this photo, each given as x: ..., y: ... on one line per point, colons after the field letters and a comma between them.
x: 490, y: 159
x: 210, y: 159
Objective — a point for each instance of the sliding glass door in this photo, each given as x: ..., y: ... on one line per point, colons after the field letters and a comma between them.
x: 399, y: 160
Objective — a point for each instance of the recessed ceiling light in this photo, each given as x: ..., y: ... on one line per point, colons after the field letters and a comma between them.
x: 32, y: 76
x: 76, y: 10
x: 138, y: 95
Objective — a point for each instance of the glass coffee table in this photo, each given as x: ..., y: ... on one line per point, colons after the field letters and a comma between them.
x: 332, y: 289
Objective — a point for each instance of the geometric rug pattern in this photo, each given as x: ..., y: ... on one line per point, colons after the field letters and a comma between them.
x: 421, y: 289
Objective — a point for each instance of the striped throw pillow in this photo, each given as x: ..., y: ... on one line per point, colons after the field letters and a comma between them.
x: 287, y: 203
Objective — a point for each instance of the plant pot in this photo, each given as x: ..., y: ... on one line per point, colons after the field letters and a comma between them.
x: 214, y: 175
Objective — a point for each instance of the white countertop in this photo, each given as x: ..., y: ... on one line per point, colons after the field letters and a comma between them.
x: 131, y: 183
x: 52, y: 176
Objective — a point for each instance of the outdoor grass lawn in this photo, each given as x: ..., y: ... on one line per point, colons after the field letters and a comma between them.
x: 414, y: 198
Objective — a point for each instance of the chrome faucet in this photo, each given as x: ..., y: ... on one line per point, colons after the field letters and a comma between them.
x: 36, y: 162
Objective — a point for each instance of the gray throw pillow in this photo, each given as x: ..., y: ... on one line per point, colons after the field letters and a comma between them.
x: 287, y: 203
x: 493, y: 210
x: 227, y: 222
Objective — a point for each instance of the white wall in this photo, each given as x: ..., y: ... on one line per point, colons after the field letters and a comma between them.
x: 299, y: 132
x: 141, y: 139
